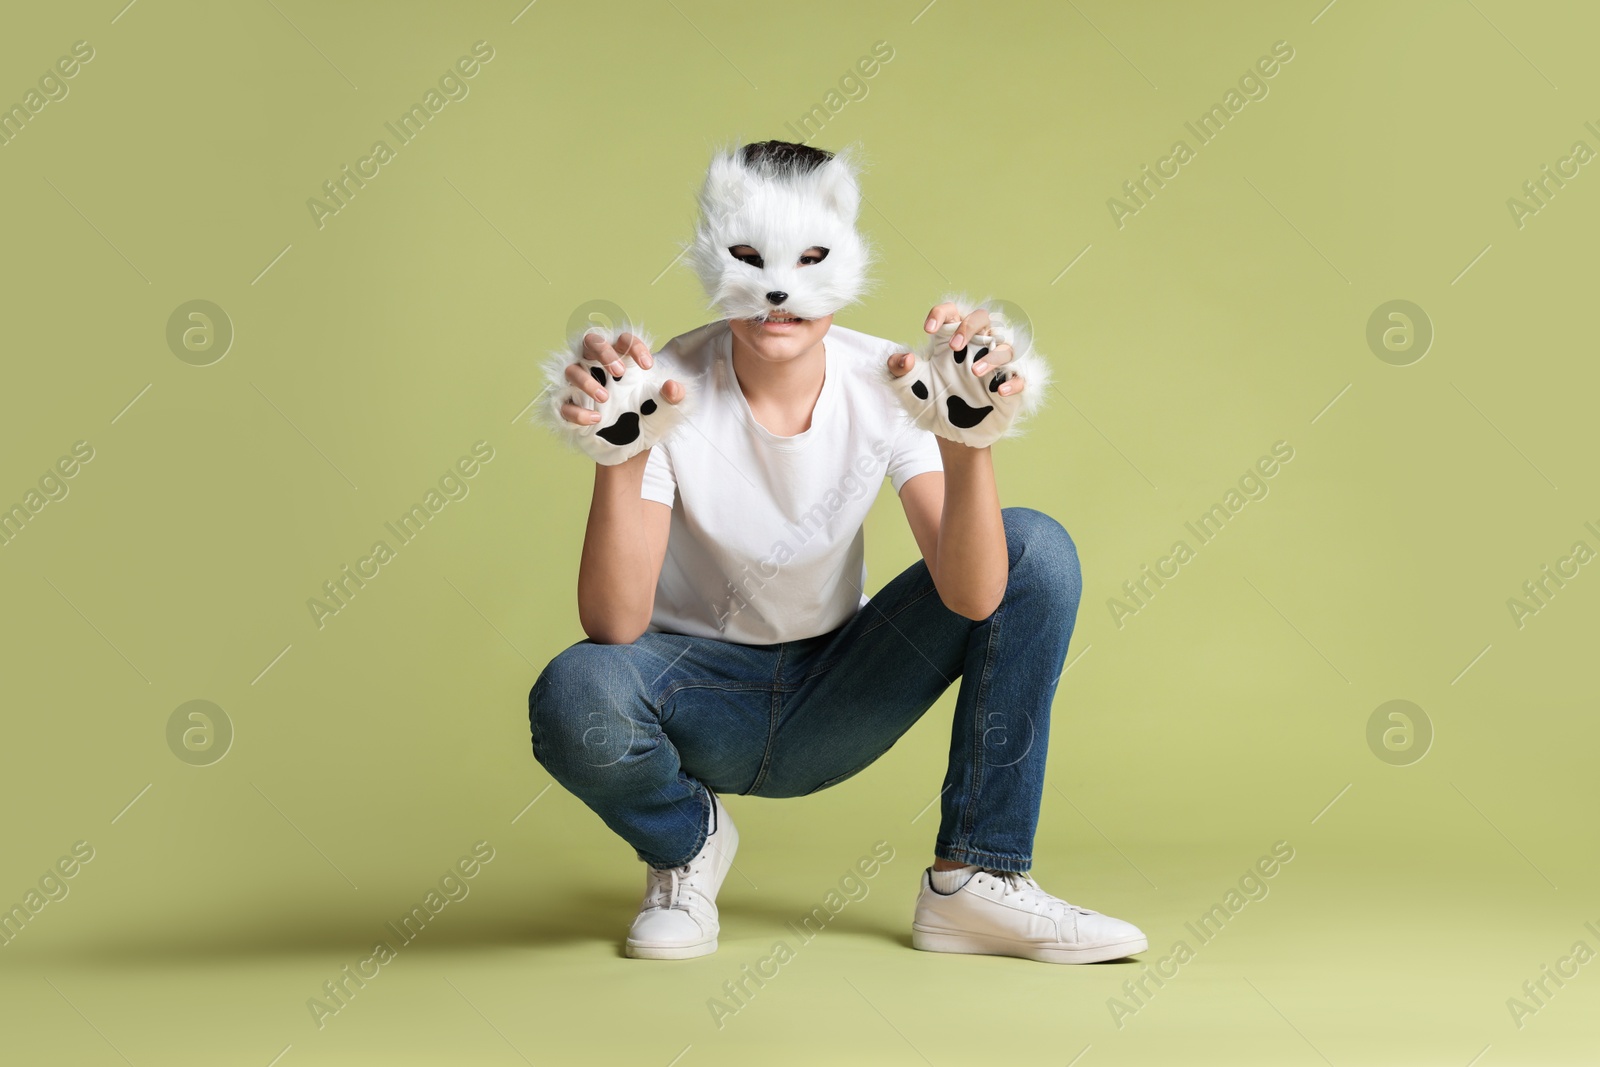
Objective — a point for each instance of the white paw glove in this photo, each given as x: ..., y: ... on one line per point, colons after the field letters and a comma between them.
x: 943, y: 395
x: 633, y: 416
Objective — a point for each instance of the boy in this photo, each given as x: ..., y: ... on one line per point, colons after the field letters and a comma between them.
x: 732, y: 647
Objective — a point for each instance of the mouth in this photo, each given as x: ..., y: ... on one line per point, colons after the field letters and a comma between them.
x: 780, y: 322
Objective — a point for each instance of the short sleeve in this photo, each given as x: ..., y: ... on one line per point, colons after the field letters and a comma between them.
x: 660, y: 480
x: 916, y: 451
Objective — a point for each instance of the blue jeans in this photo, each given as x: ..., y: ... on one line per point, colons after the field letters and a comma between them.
x: 640, y: 732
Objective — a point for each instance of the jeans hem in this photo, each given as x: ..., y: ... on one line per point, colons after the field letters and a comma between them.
x: 700, y: 838
x: 995, y: 861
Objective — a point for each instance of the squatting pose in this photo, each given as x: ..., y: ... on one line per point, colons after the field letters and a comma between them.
x: 731, y: 645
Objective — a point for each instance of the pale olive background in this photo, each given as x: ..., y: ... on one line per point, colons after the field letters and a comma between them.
x: 369, y: 355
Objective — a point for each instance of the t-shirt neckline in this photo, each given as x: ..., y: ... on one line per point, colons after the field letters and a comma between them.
x: 823, y: 404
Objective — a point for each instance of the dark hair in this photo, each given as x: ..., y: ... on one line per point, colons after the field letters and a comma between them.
x: 784, y: 157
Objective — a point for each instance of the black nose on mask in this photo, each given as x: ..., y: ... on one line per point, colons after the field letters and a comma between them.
x: 776, y: 298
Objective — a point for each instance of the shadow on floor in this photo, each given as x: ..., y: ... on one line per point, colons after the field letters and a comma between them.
x: 597, y: 915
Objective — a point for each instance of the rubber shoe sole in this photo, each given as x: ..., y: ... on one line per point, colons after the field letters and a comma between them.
x: 637, y: 951
x: 990, y: 945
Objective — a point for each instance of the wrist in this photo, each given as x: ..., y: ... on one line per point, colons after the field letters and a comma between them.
x: 957, y: 453
x: 630, y: 469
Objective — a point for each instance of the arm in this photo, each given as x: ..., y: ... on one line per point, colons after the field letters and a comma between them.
x: 625, y: 540
x: 955, y: 518
x: 955, y: 515
x: 624, y: 545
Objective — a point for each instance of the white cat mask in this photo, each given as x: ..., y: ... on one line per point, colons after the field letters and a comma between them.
x: 782, y: 214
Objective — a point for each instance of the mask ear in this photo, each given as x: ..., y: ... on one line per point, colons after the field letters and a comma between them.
x: 726, y: 186
x: 838, y: 189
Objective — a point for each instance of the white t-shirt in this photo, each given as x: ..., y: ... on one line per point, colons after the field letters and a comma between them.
x: 766, y: 538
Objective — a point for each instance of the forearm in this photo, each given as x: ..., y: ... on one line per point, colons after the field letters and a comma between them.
x: 615, y: 590
x: 972, y: 565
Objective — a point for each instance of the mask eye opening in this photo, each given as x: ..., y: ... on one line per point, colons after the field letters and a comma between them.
x: 750, y: 256
x: 809, y: 258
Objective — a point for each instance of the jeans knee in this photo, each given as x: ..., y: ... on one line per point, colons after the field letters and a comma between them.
x: 583, y: 712
x: 1043, y: 555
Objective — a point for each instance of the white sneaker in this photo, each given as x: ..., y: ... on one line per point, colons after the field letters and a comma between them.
x: 678, y: 918
x: 1002, y: 913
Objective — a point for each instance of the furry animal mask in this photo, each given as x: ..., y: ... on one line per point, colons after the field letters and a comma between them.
x: 782, y: 210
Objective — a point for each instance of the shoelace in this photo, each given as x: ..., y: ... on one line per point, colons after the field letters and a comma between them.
x: 672, y: 879
x: 1030, y: 892
x: 666, y: 886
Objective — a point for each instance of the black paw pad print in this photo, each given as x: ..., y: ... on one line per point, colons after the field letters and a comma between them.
x: 625, y: 431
